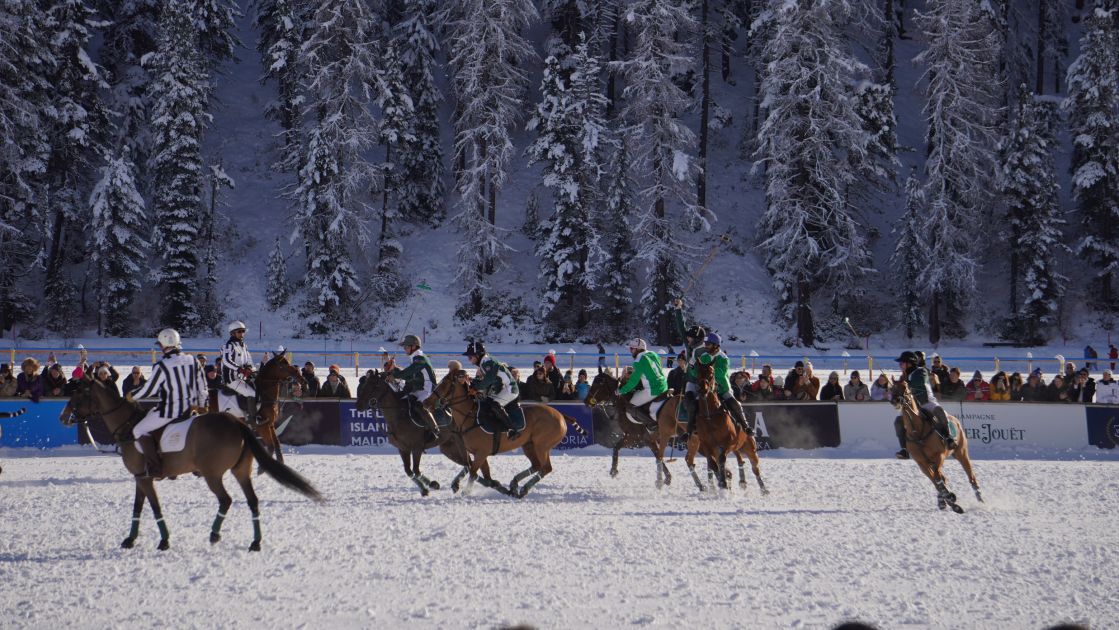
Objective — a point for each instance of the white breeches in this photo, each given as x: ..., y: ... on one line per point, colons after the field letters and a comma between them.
x: 504, y: 397
x: 241, y: 387
x: 640, y: 397
x: 931, y: 406
x: 150, y: 423
x: 691, y: 387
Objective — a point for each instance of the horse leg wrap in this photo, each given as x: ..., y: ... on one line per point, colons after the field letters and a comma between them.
x: 536, y: 477
x: 256, y: 528
x: 418, y: 480
x: 695, y: 477
x: 218, y: 520
x: 134, y: 531
x: 458, y: 478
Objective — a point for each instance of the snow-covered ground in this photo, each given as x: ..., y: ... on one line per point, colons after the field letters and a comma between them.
x: 837, y: 539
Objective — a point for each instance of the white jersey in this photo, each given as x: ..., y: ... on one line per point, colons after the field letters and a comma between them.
x: 178, y: 382
x: 234, y: 356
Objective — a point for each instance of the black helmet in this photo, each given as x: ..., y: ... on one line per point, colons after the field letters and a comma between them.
x: 696, y: 332
x: 907, y: 357
x: 476, y: 349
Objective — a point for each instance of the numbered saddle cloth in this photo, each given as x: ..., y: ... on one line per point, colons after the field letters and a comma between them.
x: 173, y: 438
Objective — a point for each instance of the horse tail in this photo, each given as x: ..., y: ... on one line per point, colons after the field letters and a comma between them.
x: 13, y: 414
x: 276, y: 470
x: 574, y: 425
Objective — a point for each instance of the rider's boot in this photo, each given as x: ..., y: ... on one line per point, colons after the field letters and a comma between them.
x: 735, y: 410
x: 899, y: 429
x: 691, y: 408
x: 942, y: 426
x: 152, y: 466
x: 423, y: 415
x: 252, y: 415
x: 642, y: 416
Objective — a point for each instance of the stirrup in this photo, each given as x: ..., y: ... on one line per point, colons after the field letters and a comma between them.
x: 902, y: 454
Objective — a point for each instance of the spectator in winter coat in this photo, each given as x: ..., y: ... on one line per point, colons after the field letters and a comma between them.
x: 953, y: 389
x: 977, y: 388
x: 105, y: 372
x: 1089, y: 354
x: 29, y: 384
x: 7, y: 382
x: 334, y: 387
x: 767, y: 373
x: 793, y: 381
x: 308, y: 372
x: 538, y: 386
x: 582, y: 386
x: 134, y: 381
x: 880, y: 390
x: 940, y: 369
x: 1070, y: 374
x: 856, y: 389
x: 740, y: 386
x: 1083, y: 389
x: 1034, y: 390
x: 554, y: 375
x: 54, y: 383
x: 832, y: 390
x: 567, y: 389
x: 1057, y: 391
x: 1016, y: 386
x: 1000, y: 387
x: 678, y: 376
x: 762, y: 390
x: 1107, y: 390
x: 75, y: 378
x: 1113, y: 354
x: 778, y: 388
x: 810, y: 386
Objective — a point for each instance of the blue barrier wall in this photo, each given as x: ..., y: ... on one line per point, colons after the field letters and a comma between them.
x: 39, y: 427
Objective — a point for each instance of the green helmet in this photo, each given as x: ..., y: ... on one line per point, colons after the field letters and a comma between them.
x: 411, y: 340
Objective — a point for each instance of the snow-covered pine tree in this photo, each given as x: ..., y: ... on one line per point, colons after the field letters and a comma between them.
x: 874, y: 103
x: 615, y: 257
x: 277, y: 292
x: 118, y: 247
x: 282, y: 25
x: 808, y: 234
x: 662, y: 150
x: 1052, y: 42
x: 216, y: 21
x: 420, y: 163
x: 210, y: 311
x: 570, y: 126
x: 487, y: 53
x: 79, y: 124
x: 531, y: 225
x: 25, y: 94
x: 908, y: 254
x: 1028, y: 181
x: 179, y: 93
x: 1092, y: 108
x: 395, y: 132
x: 963, y: 110
x: 342, y: 64
x: 132, y: 32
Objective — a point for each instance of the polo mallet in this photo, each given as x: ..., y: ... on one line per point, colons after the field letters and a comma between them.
x: 723, y: 238
x: 847, y: 320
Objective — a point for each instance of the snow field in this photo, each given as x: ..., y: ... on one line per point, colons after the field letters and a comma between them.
x: 836, y: 540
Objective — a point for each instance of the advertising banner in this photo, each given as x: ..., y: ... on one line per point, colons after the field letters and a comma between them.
x: 583, y: 415
x: 39, y: 427
x: 1103, y: 425
x: 799, y: 425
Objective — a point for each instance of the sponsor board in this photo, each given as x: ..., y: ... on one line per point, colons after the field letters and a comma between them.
x: 794, y: 425
x: 39, y: 427
x: 990, y: 427
x: 1103, y: 425
x: 581, y: 414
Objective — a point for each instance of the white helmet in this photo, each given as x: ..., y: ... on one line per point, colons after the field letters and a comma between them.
x: 280, y: 350
x: 169, y: 338
x: 237, y: 325
x: 638, y: 344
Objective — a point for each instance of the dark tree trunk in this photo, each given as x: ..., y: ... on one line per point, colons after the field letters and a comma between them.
x: 611, y: 76
x: 1015, y: 240
x: 1056, y: 75
x: 661, y: 289
x: 887, y: 46
x: 1040, y: 87
x: 58, y: 231
x: 384, y: 210
x: 805, y: 325
x: 705, y: 107
x: 934, y: 319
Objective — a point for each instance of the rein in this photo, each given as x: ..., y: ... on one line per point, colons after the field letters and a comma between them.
x: 909, y: 404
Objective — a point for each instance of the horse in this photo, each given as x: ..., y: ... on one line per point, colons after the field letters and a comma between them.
x: 544, y: 429
x: 718, y: 435
x: 268, y: 382
x: 604, y: 389
x: 216, y: 442
x: 928, y: 449
x: 410, y: 440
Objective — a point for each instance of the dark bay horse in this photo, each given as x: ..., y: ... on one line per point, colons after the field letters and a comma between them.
x: 410, y: 440
x: 544, y: 429
x: 269, y: 382
x: 927, y: 448
x: 604, y: 390
x: 217, y: 442
x: 718, y: 435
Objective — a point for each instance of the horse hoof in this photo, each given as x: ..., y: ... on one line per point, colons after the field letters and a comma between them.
x: 942, y: 504
x: 455, y: 488
x: 979, y: 497
x: 215, y: 538
x: 255, y: 546
x: 957, y: 509
x: 614, y: 472
x: 128, y: 543
x: 164, y: 545
x: 434, y: 485
x: 743, y: 485
x: 765, y: 490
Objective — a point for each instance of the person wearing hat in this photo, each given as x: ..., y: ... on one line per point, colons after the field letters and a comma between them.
x: 308, y: 372
x: 714, y: 356
x: 856, y: 389
x: 178, y: 382
x: 1107, y: 390
x: 54, y: 382
x: 7, y: 381
x: 29, y: 383
x: 555, y: 377
x: 419, y: 382
x: 978, y: 390
x: 1035, y: 389
x: 498, y: 387
x: 649, y: 375
x: 693, y: 346
x: 918, y: 379
x: 236, y: 368
x: 952, y: 389
x: 1083, y: 389
x: 795, y: 381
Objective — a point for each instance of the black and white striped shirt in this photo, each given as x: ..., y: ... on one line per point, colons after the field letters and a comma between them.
x: 178, y: 381
x: 234, y: 356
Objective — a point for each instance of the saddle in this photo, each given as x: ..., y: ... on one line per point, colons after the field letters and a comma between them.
x: 952, y: 432
x: 442, y: 417
x: 495, y: 420
x: 171, y: 437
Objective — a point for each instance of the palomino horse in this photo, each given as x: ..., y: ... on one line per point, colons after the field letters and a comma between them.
x: 604, y: 389
x: 544, y: 429
x: 927, y: 448
x: 216, y: 442
x: 719, y: 436
x: 410, y: 440
x: 268, y: 383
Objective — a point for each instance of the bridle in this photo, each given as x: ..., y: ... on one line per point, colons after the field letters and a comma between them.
x: 906, y: 405
x: 120, y: 434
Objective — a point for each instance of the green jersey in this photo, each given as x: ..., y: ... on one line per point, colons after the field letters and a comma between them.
x: 722, y: 369
x: 419, y: 378
x: 691, y: 352
x: 495, y: 377
x: 648, y: 372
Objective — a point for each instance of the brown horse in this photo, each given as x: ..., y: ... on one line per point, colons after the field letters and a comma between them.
x: 216, y: 442
x: 268, y: 383
x: 928, y: 449
x: 544, y: 429
x: 603, y: 390
x: 718, y: 434
x: 410, y: 440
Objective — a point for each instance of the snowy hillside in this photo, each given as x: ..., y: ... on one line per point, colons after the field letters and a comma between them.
x: 370, y: 256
